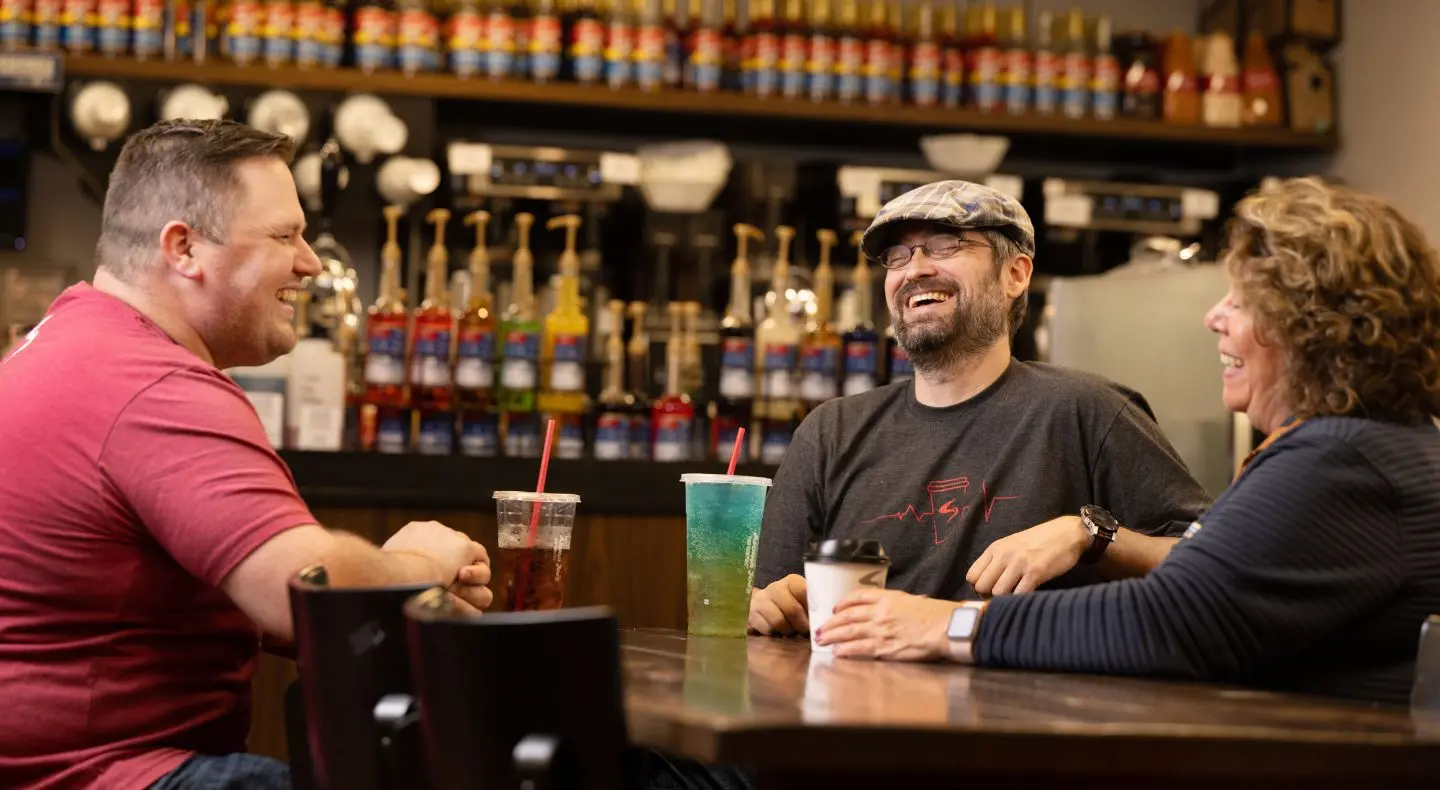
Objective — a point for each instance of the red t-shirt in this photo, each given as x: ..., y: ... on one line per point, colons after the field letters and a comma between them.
x: 133, y: 477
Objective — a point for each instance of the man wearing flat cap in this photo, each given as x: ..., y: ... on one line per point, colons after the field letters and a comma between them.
x: 983, y: 475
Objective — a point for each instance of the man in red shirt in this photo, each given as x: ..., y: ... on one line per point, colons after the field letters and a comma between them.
x: 147, y: 529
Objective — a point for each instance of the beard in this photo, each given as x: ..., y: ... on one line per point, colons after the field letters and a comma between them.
x: 935, y: 345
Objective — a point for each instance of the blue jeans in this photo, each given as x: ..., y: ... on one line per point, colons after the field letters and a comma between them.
x: 227, y: 772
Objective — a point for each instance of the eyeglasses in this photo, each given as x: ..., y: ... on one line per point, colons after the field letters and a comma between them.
x: 936, y: 248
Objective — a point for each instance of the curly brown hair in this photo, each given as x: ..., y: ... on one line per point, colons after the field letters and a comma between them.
x: 1349, y: 289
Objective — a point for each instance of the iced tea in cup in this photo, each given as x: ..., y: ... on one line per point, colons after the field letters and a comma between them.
x: 532, y: 576
x: 722, y: 538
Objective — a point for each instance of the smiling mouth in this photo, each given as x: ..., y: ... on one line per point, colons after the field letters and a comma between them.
x: 928, y: 298
x: 287, y: 295
x: 1231, y: 363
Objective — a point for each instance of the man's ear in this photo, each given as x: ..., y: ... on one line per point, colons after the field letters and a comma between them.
x: 1015, y: 277
x: 177, y: 246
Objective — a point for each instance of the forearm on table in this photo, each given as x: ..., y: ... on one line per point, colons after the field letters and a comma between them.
x: 351, y: 561
x: 1133, y: 554
x: 1119, y: 627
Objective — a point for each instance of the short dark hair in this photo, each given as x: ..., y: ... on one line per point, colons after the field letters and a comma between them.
x: 177, y: 170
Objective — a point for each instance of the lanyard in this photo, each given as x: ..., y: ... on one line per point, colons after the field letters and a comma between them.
x: 1269, y: 440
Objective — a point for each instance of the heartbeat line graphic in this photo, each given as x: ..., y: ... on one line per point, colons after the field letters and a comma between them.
x: 938, y: 489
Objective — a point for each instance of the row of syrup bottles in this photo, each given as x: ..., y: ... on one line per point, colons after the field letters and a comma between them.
x: 484, y: 377
x: 770, y: 373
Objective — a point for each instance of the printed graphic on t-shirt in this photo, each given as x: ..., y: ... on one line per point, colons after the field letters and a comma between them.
x: 945, y: 506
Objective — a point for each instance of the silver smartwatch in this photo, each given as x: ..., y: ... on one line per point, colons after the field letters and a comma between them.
x: 964, y: 624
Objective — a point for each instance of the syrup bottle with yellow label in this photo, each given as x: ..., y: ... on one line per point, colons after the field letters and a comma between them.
x: 562, y: 382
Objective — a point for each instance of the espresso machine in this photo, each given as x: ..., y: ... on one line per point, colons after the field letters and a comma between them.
x: 1122, y: 285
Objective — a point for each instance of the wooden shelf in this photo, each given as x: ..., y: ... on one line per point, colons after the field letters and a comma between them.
x: 446, y: 86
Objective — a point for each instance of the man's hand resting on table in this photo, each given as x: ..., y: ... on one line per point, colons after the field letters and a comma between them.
x: 780, y: 609
x: 462, y: 564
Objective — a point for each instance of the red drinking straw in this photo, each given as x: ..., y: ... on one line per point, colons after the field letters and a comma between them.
x: 734, y: 454
x: 523, y: 580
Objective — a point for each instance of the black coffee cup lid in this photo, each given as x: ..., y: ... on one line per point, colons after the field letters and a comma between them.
x: 868, y: 552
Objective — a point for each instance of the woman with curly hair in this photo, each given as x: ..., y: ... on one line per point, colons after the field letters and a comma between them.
x: 1314, y: 571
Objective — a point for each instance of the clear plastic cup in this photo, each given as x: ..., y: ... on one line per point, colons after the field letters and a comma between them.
x: 531, y: 577
x: 722, y: 537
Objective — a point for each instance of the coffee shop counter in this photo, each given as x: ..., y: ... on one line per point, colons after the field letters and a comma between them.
x: 628, y: 545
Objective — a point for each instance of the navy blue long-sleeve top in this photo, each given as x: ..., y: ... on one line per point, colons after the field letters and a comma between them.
x: 1313, y: 572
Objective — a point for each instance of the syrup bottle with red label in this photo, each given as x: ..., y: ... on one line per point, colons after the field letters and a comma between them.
x: 674, y: 413
x: 430, y: 349
x: 385, y: 331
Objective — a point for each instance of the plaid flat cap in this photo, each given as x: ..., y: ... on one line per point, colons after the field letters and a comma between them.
x: 961, y: 205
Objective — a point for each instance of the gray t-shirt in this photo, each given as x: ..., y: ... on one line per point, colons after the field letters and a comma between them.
x: 936, y: 486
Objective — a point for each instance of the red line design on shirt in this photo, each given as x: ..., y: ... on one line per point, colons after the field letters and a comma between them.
x: 946, y: 507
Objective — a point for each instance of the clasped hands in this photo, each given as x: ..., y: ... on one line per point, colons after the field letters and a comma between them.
x: 896, y: 625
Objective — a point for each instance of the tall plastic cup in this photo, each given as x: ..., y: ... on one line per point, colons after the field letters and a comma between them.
x: 532, y: 577
x: 722, y: 538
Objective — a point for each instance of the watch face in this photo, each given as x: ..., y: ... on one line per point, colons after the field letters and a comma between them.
x: 962, y: 622
x: 1101, y: 518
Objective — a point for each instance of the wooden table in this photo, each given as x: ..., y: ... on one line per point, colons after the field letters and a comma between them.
x: 803, y: 721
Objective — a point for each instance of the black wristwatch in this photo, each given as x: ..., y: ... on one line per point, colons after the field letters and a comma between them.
x: 1102, y: 527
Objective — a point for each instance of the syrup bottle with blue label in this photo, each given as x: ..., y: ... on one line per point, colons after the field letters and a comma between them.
x: 465, y: 38
x: 619, y: 44
x: 927, y: 61
x: 385, y: 331
x: 820, y: 57
x: 431, y: 344
x: 777, y: 339
x: 849, y: 54
x: 901, y: 369
x: 520, y: 354
x: 820, y: 354
x: 475, y: 352
x: 877, y: 35
x: 952, y: 93
x: 584, y: 44
x: 794, y: 50
x: 567, y: 328
x: 648, y: 53
x: 1075, y: 67
x: 862, y: 342
x: 987, y: 61
x: 735, y: 379
x: 616, y: 406
x: 546, y: 42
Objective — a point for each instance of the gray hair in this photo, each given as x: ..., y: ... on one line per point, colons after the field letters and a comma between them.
x: 176, y: 170
x: 1005, y: 250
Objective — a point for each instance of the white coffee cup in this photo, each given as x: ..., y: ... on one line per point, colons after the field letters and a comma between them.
x: 836, y: 568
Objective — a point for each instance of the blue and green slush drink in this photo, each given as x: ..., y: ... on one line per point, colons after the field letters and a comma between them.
x: 722, y: 537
